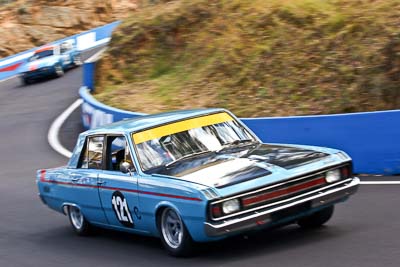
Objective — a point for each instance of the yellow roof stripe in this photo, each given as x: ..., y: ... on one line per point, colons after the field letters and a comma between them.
x: 180, y: 126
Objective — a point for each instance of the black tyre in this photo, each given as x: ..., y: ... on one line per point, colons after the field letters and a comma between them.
x: 316, y: 219
x: 25, y: 81
x: 174, y: 235
x: 59, y: 71
x: 78, y: 222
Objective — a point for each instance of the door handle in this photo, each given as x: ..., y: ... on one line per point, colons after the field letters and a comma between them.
x: 75, y: 179
x: 100, y: 182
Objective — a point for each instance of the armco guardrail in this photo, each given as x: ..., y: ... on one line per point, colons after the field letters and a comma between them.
x: 95, y: 114
x: 84, y: 41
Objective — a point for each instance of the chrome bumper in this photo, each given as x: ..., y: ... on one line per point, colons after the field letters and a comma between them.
x: 322, y: 197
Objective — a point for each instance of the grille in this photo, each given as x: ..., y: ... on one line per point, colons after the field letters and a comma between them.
x: 285, y: 191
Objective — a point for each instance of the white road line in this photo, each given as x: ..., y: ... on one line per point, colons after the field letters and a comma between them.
x: 52, y: 135
x: 380, y: 182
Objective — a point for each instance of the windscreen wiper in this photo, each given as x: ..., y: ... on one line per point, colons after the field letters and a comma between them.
x: 169, y: 164
x: 237, y: 143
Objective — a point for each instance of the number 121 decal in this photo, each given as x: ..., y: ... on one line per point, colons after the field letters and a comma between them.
x: 121, y: 209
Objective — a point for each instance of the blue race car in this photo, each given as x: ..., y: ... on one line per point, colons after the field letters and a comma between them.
x: 193, y: 176
x: 50, y: 61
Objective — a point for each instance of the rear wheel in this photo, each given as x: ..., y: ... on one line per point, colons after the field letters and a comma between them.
x: 78, y: 222
x: 174, y: 235
x: 316, y: 219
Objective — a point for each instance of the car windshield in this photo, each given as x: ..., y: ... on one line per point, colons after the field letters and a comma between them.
x: 42, y: 54
x: 168, y: 144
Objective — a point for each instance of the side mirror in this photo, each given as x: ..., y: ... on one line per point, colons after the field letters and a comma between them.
x: 125, y: 167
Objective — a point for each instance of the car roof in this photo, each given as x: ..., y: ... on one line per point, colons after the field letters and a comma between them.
x: 149, y: 121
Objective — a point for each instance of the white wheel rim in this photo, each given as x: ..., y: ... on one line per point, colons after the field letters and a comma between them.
x: 59, y: 70
x: 172, y: 228
x: 76, y: 217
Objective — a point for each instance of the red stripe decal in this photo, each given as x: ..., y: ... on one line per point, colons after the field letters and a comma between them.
x: 122, y: 189
x: 282, y: 192
x: 68, y: 183
x: 12, y: 67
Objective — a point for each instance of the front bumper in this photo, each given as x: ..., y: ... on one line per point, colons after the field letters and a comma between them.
x: 39, y: 73
x: 293, y: 207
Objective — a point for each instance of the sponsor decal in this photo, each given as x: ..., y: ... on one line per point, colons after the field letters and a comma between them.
x: 93, y: 118
x: 121, y: 209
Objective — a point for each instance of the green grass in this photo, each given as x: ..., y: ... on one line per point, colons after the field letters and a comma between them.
x: 256, y: 57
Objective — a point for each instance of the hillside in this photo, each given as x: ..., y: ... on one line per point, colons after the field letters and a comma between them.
x: 256, y: 57
x: 25, y: 24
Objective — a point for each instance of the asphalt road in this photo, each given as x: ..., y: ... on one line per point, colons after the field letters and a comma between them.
x: 364, y: 231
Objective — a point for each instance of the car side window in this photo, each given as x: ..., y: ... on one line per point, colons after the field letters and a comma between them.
x: 117, y: 152
x: 92, y: 153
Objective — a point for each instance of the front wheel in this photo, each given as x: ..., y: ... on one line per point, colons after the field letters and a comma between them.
x: 316, y: 219
x: 78, y: 222
x: 174, y: 235
x: 77, y: 60
x: 25, y: 81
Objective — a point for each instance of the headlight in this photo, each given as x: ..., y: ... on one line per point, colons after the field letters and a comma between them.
x: 333, y: 176
x: 230, y: 206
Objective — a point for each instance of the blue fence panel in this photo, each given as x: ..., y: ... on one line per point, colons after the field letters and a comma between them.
x: 372, y: 139
x: 88, y: 74
x: 106, y: 30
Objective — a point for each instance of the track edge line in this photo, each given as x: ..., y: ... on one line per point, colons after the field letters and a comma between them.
x: 52, y: 135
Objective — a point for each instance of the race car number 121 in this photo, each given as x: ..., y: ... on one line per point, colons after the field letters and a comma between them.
x: 121, y: 209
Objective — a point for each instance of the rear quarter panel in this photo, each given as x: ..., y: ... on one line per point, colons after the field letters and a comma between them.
x: 48, y: 190
x: 56, y: 188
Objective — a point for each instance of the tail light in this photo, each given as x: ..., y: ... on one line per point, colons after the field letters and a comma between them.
x: 42, y: 175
